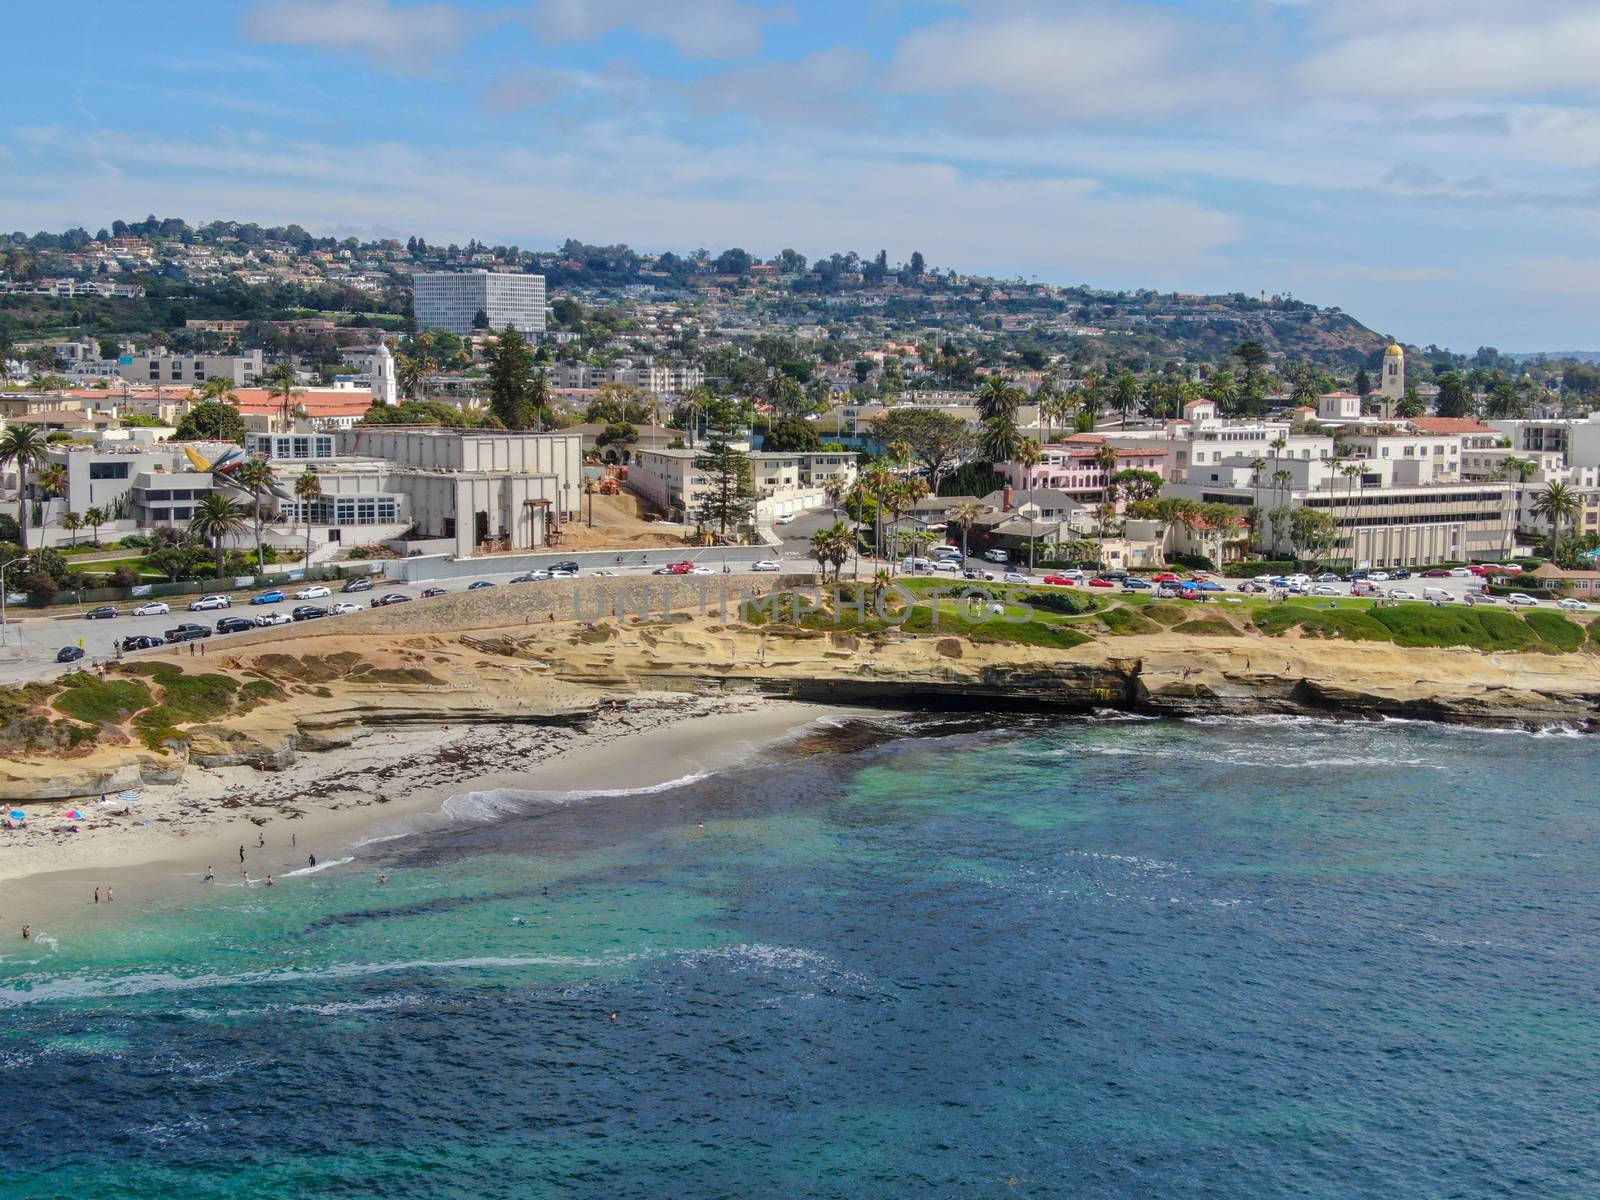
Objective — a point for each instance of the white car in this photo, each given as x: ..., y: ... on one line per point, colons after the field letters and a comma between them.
x: 701, y: 571
x: 344, y: 606
x: 1323, y: 589
x: 952, y: 565
x: 1460, y: 573
x: 1016, y: 577
x: 206, y: 603
x: 1402, y: 594
x: 273, y: 618
x: 563, y: 574
x: 1572, y: 605
x: 315, y: 592
x: 786, y: 519
x: 603, y: 573
x: 1522, y: 600
x: 1379, y: 577
x: 152, y: 608
x: 996, y: 556
x: 767, y: 564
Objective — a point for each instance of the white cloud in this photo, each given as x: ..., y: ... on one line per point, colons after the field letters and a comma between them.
x: 697, y: 28
x: 823, y: 88
x: 1073, y: 62
x: 406, y: 39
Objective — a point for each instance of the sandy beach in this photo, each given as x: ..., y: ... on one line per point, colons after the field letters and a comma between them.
x: 327, y: 803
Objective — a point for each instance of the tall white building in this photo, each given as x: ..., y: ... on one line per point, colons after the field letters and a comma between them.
x: 385, y: 387
x: 1392, y: 386
x: 452, y: 299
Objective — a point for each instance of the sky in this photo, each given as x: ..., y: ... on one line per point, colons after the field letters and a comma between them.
x: 1430, y: 166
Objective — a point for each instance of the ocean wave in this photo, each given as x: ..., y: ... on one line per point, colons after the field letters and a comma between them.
x: 321, y: 866
x: 481, y: 808
x: 333, y: 1008
x: 1242, y: 757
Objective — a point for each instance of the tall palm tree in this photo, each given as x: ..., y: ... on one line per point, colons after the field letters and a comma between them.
x: 94, y: 518
x: 835, y: 491
x: 1521, y: 468
x: 281, y: 386
x: 408, y: 374
x: 1557, y: 503
x: 876, y: 480
x: 964, y: 516
x: 996, y: 399
x: 22, y: 446
x: 822, y: 550
x: 216, y: 518
x: 307, y: 490
x: 220, y: 389
x: 1351, y: 473
x: 52, y: 480
x: 1125, y: 396
x: 1029, y: 456
x: 72, y: 522
x: 256, y: 476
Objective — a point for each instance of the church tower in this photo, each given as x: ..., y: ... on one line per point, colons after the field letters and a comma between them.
x: 385, y: 389
x: 1392, y: 387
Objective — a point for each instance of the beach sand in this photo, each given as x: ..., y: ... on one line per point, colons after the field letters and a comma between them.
x: 328, y: 803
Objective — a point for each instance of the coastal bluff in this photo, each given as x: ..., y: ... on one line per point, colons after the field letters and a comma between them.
x: 263, y: 699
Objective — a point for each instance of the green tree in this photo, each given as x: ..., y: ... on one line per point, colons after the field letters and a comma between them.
x: 22, y: 447
x: 257, y: 476
x: 964, y: 516
x: 94, y: 518
x: 997, y: 400
x: 217, y: 518
x: 1136, y: 485
x: 220, y: 389
x: 72, y: 522
x: 789, y: 435
x: 211, y: 421
x: 938, y: 441
x: 1124, y: 396
x: 729, y: 495
x: 1455, y: 398
x: 307, y: 490
x: 514, y: 392
x: 1029, y: 455
x: 1559, y: 504
x: 280, y: 382
x: 1000, y: 439
x: 1252, y: 354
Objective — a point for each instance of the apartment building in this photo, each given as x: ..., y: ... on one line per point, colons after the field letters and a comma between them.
x: 160, y: 366
x: 1074, y: 468
x: 453, y: 299
x: 784, y: 483
x: 1577, y: 439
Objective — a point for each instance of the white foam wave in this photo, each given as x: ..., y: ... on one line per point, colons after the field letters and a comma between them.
x: 481, y: 808
x: 321, y: 866
x: 373, y: 841
x: 331, y: 1009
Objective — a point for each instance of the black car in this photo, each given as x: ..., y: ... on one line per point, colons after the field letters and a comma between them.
x: 235, y: 624
x: 359, y: 584
x: 427, y: 593
x: 141, y: 641
x: 103, y: 613
x: 69, y: 654
x: 569, y: 565
x: 479, y: 585
x: 308, y: 612
x: 1400, y: 573
x: 187, y: 632
x: 391, y: 598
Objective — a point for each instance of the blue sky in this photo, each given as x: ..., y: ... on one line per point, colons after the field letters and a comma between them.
x: 1432, y: 166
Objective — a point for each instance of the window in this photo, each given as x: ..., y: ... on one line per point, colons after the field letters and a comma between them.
x: 108, y: 470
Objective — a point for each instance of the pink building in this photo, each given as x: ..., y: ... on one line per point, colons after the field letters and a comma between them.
x: 1071, y: 467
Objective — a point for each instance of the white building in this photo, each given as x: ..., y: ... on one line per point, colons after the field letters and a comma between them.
x: 784, y: 483
x: 160, y: 366
x: 453, y: 299
x: 1392, y: 385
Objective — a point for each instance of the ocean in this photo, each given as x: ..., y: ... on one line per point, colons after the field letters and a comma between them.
x: 916, y: 956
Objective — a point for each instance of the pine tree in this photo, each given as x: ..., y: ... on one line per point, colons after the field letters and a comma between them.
x: 729, y: 494
x: 512, y: 396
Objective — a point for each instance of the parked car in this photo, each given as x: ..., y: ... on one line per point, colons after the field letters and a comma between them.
x: 1363, y: 587
x: 1436, y: 573
x: 272, y: 597
x: 309, y: 612
x: 1400, y: 573
x: 359, y: 583
x: 152, y: 608
x: 1329, y: 577
x: 1016, y: 577
x: 1165, y: 577
x: 315, y: 592
x: 1571, y: 604
x: 1324, y: 589
x: 680, y: 568
x: 343, y: 607
x: 948, y: 565
x: 700, y: 571
x: 786, y: 519
x: 266, y: 620
x: 1460, y: 572
x: 663, y: 571
x: 235, y: 624
x: 206, y: 603
x: 429, y: 593
x: 1133, y: 581
x: 69, y: 654
x: 1482, y: 598
x: 103, y: 612
x: 391, y: 598
x: 1251, y: 585
x: 1402, y: 594
x: 1102, y: 581
x: 530, y: 577
x: 569, y: 566
x: 1118, y: 576
x: 1378, y: 576
x: 187, y: 632
x: 1522, y: 600
x: 141, y: 641
x: 975, y: 573
x: 1204, y: 585
x: 477, y: 585
x: 996, y: 556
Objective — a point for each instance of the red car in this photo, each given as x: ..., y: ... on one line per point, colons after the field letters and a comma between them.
x: 1060, y: 581
x: 1102, y: 583
x: 681, y: 568
x: 1164, y: 577
x: 1436, y: 573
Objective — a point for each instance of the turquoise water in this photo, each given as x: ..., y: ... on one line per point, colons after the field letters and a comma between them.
x: 927, y: 957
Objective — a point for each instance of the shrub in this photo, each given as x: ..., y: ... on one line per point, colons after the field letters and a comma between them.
x: 124, y: 576
x: 1249, y: 570
x: 1124, y: 622
x: 1065, y: 603
x: 110, y: 702
x: 1195, y: 562
x: 135, y: 541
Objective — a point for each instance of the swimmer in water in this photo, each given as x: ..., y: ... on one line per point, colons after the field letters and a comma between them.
x: 269, y: 881
x: 383, y: 879
x: 311, y: 860
x: 211, y: 874
x: 613, y: 1016
x: 27, y: 933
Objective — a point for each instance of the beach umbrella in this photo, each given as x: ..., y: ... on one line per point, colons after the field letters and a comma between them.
x: 18, y: 815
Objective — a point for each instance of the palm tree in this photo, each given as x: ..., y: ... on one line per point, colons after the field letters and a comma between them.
x: 996, y: 398
x: 877, y: 479
x: 1351, y: 472
x: 216, y: 518
x: 22, y: 446
x: 1557, y: 503
x: 52, y: 480
x: 72, y: 522
x: 1125, y: 396
x: 822, y: 549
x: 408, y: 372
x: 256, y: 476
x: 220, y: 389
x: 94, y: 518
x: 1522, y: 468
x: 1029, y: 456
x: 834, y: 490
x: 307, y: 490
x: 1107, y: 458
x: 280, y: 385
x: 964, y: 516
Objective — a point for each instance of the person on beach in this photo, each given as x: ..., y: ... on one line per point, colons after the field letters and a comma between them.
x: 241, y: 855
x: 261, y: 841
x: 27, y: 933
x: 294, y: 840
x: 246, y: 874
x: 110, y: 895
x: 97, y: 895
x: 383, y: 879
x: 311, y: 860
x: 269, y: 881
x: 211, y: 874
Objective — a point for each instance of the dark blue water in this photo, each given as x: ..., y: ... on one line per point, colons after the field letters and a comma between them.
x: 1119, y: 959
